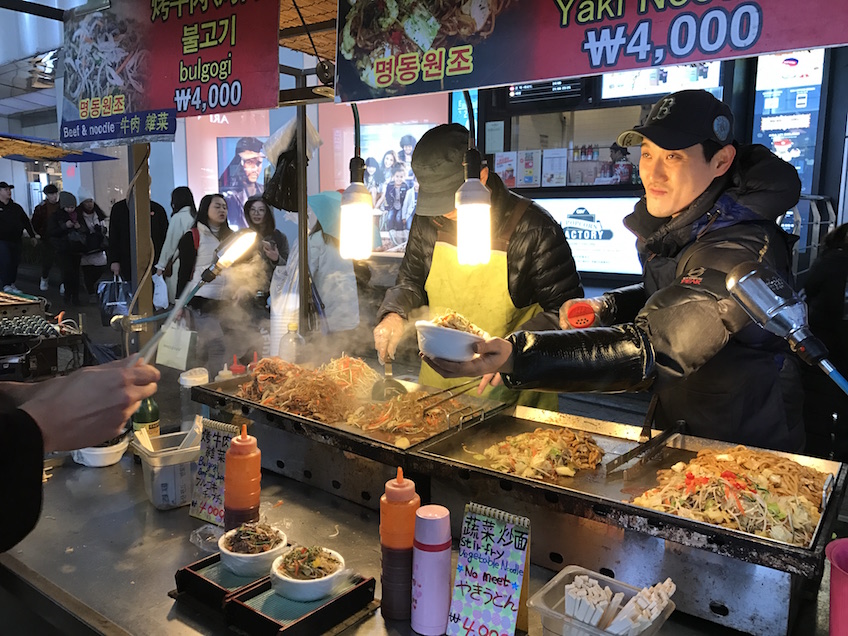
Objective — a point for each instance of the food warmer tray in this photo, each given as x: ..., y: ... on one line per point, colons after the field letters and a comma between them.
x: 376, y: 445
x: 592, y: 495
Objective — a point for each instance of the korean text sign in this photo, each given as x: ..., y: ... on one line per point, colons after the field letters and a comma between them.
x: 489, y: 572
x: 131, y: 70
x: 455, y: 46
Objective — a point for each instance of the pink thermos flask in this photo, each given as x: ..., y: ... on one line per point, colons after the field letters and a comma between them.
x: 431, y: 570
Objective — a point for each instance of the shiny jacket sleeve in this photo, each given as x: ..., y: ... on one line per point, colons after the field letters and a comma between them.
x: 540, y: 266
x: 20, y: 476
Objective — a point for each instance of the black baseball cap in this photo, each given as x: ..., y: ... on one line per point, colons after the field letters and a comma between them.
x: 683, y: 119
x: 437, y: 164
x: 50, y: 188
x: 3, y: 184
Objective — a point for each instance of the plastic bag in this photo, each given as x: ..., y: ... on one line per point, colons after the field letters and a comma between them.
x: 160, y: 292
x: 115, y: 296
x: 283, y: 139
x: 285, y: 302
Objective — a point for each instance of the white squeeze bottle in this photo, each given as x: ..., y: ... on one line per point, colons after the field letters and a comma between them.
x: 291, y: 345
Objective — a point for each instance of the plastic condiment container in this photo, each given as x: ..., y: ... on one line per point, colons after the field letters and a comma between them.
x: 242, y: 480
x: 168, y: 470
x: 431, y: 570
x: 223, y: 374
x: 397, y: 536
x: 188, y: 408
x: 236, y: 367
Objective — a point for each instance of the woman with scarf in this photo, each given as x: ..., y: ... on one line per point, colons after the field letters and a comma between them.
x: 93, y: 225
x: 65, y: 230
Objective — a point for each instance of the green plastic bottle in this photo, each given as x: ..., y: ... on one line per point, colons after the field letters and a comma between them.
x: 147, y: 416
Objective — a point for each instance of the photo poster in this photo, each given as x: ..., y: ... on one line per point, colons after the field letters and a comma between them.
x: 529, y: 169
x: 242, y: 167
x: 383, y: 147
x: 554, y: 167
x: 489, y: 584
x: 505, y: 167
x: 207, y: 498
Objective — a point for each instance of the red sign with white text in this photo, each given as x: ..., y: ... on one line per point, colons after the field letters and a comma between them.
x: 453, y: 46
x: 214, y: 56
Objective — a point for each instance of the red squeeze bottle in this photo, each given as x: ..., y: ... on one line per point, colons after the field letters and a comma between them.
x: 242, y: 477
x: 397, y: 534
x: 252, y: 365
x: 581, y: 315
x: 236, y: 368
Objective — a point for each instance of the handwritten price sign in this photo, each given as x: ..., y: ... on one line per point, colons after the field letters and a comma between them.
x: 489, y: 573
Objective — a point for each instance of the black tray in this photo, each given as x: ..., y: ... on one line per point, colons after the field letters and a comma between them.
x: 211, y: 585
x: 259, y: 611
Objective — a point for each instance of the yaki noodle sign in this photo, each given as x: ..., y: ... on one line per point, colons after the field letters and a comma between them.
x: 391, y: 47
x: 132, y: 69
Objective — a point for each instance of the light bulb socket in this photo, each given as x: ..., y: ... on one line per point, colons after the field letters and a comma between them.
x: 472, y: 163
x: 357, y: 170
x: 356, y: 194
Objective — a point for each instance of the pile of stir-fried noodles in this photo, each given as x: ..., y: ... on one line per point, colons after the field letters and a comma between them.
x: 340, y: 391
x: 755, y: 491
x: 545, y: 454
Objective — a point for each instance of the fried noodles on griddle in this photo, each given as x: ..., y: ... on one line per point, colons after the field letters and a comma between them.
x: 545, y: 454
x: 755, y: 491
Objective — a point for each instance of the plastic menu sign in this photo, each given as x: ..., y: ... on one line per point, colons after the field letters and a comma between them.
x: 207, y: 501
x: 489, y: 572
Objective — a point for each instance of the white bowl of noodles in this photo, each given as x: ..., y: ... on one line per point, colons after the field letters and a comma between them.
x: 307, y: 573
x: 250, y: 549
x: 442, y: 342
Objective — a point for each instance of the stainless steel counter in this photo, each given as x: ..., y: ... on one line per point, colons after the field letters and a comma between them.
x: 102, y: 559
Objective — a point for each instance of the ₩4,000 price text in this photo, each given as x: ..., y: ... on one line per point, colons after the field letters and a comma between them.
x: 217, y: 96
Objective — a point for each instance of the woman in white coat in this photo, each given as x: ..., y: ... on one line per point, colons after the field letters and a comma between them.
x: 183, y: 214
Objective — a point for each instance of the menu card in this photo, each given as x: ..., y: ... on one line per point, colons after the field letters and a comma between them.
x: 490, y: 569
x: 207, y: 500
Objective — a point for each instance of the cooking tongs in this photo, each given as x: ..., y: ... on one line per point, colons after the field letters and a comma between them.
x: 648, y: 446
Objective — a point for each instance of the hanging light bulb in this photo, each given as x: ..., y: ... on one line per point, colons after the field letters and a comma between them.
x: 356, y: 225
x: 473, y: 218
x: 357, y: 215
x: 473, y: 205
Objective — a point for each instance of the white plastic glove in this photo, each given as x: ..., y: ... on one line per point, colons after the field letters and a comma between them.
x: 387, y: 335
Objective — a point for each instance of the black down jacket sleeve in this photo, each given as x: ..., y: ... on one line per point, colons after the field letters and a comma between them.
x: 541, y: 267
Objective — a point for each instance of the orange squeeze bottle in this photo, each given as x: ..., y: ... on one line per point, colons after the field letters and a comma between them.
x: 242, y: 477
x: 397, y: 534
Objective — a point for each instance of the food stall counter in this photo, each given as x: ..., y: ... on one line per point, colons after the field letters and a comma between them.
x: 102, y: 558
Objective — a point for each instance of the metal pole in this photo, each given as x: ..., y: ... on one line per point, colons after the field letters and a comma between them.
x: 303, y: 217
x: 140, y: 245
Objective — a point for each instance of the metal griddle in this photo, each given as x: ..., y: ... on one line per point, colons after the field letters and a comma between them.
x: 593, y: 495
x: 377, y: 445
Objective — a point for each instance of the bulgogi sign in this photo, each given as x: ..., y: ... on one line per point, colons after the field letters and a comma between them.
x: 389, y: 48
x: 132, y: 70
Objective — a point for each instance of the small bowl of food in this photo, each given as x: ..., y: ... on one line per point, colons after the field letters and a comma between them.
x: 307, y: 574
x: 105, y: 454
x: 449, y: 336
x: 250, y: 549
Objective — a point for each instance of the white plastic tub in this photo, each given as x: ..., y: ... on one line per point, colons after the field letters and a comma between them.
x: 169, y: 471
x: 549, y: 602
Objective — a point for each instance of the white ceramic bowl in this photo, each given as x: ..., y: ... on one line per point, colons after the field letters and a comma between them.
x: 250, y: 565
x: 442, y: 342
x: 307, y: 590
x: 98, y: 456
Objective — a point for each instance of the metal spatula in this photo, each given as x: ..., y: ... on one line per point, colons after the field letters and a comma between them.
x: 388, y: 387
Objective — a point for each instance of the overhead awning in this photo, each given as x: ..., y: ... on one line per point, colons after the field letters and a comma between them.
x: 23, y: 148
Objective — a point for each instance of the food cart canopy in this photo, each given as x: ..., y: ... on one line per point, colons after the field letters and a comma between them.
x: 22, y: 148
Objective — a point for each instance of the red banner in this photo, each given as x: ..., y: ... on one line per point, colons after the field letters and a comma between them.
x: 429, y: 47
x: 214, y: 56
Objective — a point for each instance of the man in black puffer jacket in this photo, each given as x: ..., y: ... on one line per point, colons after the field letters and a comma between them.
x: 529, y: 253
x: 709, y: 205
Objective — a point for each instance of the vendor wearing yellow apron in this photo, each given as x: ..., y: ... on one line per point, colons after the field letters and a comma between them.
x: 531, y: 269
x: 480, y: 293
